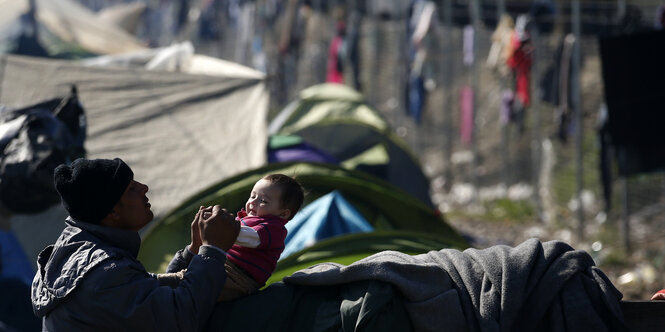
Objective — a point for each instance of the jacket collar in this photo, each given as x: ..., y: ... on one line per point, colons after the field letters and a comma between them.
x: 120, y: 238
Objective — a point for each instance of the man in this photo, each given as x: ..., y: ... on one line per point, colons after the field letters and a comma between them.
x: 90, y: 279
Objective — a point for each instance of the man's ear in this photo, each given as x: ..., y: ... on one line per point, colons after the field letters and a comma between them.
x: 110, y: 219
x: 113, y: 215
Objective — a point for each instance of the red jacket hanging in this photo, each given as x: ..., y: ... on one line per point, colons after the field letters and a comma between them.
x: 335, y: 70
x: 520, y: 62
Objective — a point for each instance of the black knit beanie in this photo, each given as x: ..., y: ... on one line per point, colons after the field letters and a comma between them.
x: 89, y: 189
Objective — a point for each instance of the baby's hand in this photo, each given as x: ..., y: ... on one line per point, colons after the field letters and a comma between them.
x: 660, y: 295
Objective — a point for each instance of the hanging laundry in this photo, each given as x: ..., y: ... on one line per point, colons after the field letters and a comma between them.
x: 353, y: 47
x: 422, y: 18
x: 501, y: 47
x: 417, y: 92
x: 467, y: 46
x: 506, y: 107
x: 259, y: 58
x: 336, y: 55
x: 633, y: 96
x: 564, y: 104
x: 543, y: 13
x: 520, y: 59
x: 555, y: 86
x: 519, y: 62
x: 466, y: 114
x: 605, y: 156
x: 659, y: 22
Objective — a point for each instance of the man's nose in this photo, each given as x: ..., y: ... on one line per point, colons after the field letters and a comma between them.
x: 144, y: 187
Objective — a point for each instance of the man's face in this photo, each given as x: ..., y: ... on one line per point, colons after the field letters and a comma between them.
x: 264, y: 200
x: 133, y: 210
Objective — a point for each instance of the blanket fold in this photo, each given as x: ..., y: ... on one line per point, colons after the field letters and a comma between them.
x: 534, y: 286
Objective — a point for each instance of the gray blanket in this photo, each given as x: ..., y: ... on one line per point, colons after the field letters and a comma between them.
x: 532, y: 287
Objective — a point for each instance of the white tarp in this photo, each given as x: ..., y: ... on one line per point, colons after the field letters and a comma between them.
x: 70, y: 22
x: 179, y: 57
x: 179, y: 132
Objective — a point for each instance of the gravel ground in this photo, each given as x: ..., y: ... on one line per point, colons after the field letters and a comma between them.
x: 637, y: 276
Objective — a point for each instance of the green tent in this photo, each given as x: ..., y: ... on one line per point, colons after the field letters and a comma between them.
x: 337, y: 120
x: 349, y: 248
x: 384, y: 205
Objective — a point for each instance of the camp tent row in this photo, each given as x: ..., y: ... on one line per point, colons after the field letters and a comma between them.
x: 361, y: 182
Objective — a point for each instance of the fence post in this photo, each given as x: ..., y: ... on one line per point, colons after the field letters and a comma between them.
x: 577, y: 109
x: 448, y: 93
x: 475, y: 19
x: 374, y: 71
x: 625, y: 215
x: 505, y: 128
x: 536, y: 141
x: 621, y: 10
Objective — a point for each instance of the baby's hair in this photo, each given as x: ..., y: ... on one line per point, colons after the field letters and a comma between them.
x: 292, y: 195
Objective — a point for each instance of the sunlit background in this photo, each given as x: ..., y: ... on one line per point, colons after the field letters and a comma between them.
x: 490, y: 117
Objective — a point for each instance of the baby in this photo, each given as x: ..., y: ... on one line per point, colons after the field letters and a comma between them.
x: 274, y: 200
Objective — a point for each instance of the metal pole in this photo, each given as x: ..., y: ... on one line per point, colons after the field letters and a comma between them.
x: 536, y: 142
x: 500, y: 9
x: 505, y: 127
x: 625, y: 225
x: 448, y: 92
x: 577, y: 109
x: 376, y: 46
x: 3, y: 67
x: 475, y: 17
x: 621, y: 10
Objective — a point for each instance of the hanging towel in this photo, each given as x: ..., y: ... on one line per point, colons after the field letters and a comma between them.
x: 466, y: 114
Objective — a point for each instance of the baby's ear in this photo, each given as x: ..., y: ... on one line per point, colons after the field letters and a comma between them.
x: 285, y: 214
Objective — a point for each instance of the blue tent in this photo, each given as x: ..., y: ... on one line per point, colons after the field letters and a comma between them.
x: 13, y: 261
x: 328, y: 216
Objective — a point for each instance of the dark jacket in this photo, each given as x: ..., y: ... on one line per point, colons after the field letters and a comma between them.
x: 91, y: 280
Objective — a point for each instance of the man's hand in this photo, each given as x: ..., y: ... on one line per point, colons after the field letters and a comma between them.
x: 220, y: 229
x: 196, y: 233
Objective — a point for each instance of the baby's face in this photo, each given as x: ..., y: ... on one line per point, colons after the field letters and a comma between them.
x: 264, y: 200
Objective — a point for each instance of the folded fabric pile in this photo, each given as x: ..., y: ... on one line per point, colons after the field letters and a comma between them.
x: 532, y: 287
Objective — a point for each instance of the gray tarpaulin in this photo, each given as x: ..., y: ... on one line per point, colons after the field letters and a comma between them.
x: 179, y: 132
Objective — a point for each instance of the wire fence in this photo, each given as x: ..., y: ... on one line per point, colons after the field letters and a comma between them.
x: 548, y: 155
x: 472, y: 146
